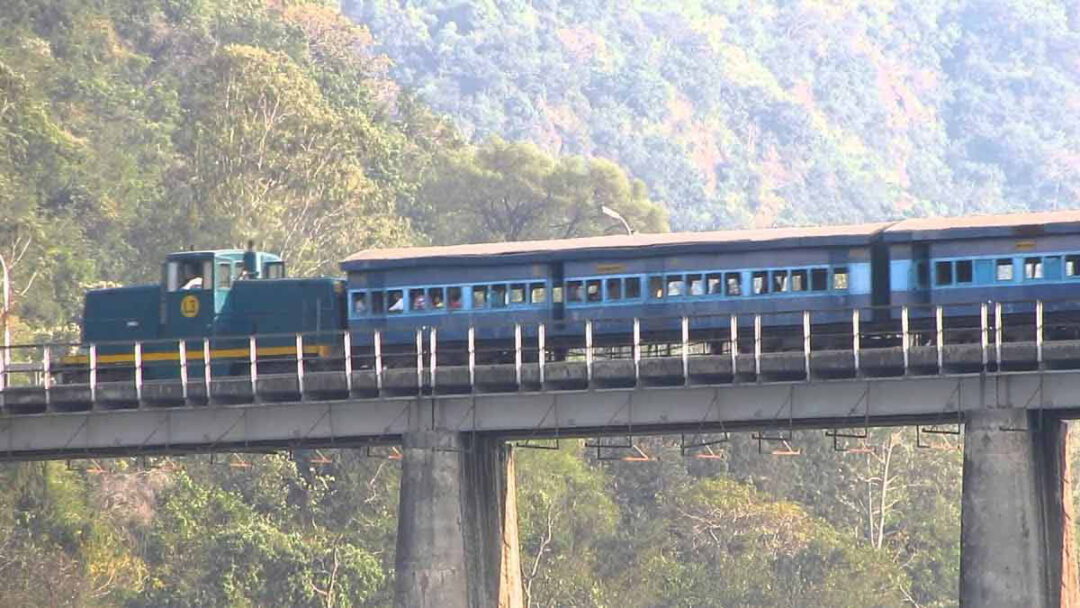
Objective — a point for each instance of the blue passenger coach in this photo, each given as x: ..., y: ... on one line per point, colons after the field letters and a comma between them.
x: 708, y: 275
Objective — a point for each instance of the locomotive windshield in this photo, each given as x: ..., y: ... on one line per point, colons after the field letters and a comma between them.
x: 189, y: 275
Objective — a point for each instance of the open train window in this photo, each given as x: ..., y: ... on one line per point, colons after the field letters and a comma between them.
x: 574, y: 291
x: 417, y: 301
x: 714, y: 283
x: 593, y: 291
x: 675, y: 286
x: 798, y: 280
x: 557, y: 294
x: 435, y: 300
x: 224, y: 275
x: 537, y: 293
x: 733, y: 284
x: 840, y: 278
x: 1033, y: 268
x: 1072, y: 265
x: 943, y: 273
x: 453, y: 298
x: 695, y: 285
x: 964, y: 272
x: 498, y: 296
x: 479, y: 296
x: 517, y: 293
x: 760, y: 283
x: 1004, y: 269
x: 632, y: 286
x: 819, y: 279
x: 395, y: 302
x: 359, y: 304
x: 656, y: 287
x: 780, y: 281
x: 189, y: 276
x: 378, y: 303
x: 614, y: 289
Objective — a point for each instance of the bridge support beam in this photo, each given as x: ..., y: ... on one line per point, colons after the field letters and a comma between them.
x: 457, y: 544
x: 1016, y: 520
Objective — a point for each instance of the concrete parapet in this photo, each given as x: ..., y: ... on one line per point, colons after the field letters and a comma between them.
x: 457, y: 524
x: 1016, y: 520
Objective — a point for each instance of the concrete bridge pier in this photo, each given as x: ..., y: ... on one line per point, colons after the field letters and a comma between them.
x: 457, y: 543
x: 1016, y: 520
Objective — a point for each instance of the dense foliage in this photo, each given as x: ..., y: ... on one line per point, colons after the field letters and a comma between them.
x: 761, y: 112
x: 129, y: 128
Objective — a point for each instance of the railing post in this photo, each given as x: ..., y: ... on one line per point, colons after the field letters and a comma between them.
x: 472, y: 358
x: 637, y: 350
x: 541, y: 342
x: 856, y: 339
x: 377, y: 342
x: 138, y: 373
x: 46, y: 380
x: 734, y: 347
x: 93, y: 375
x: 206, y: 367
x: 3, y: 366
x: 905, y: 336
x: 181, y: 347
x: 999, y: 333
x: 984, y: 334
x: 757, y: 347
x: 300, y: 365
x: 588, y: 351
x: 346, y: 342
x: 939, y: 321
x: 434, y: 361
x: 253, y: 367
x: 686, y: 350
x: 517, y: 354
x: 806, y: 341
x: 1039, y: 333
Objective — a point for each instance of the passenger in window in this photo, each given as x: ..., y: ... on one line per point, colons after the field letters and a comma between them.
x: 455, y: 298
x: 418, y: 301
x: 397, y: 302
x: 192, y: 281
x: 436, y: 299
x: 359, y: 305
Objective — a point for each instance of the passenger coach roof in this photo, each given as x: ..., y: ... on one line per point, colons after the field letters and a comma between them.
x: 614, y: 245
x: 1018, y: 224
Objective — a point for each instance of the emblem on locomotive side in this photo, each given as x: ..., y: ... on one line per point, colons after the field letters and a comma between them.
x: 189, y: 306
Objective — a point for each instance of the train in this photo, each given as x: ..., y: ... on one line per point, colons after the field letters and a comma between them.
x: 486, y: 293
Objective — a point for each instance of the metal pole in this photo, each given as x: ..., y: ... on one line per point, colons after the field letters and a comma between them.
x: 541, y: 340
x: 347, y: 339
x: 806, y: 341
x: 4, y: 314
x: 300, y: 365
x: 686, y: 350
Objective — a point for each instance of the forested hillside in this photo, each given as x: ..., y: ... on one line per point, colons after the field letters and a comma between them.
x: 129, y: 128
x: 767, y: 112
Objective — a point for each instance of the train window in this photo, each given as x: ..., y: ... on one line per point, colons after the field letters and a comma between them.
x: 1072, y: 265
x: 614, y: 289
x: 780, y: 280
x: 695, y: 285
x: 359, y: 304
x: 274, y: 270
x: 395, y: 301
x: 819, y: 279
x: 557, y: 294
x: 435, y: 300
x: 453, y: 298
x: 840, y: 278
x: 798, y: 280
x: 574, y: 291
x: 417, y: 301
x: 224, y: 275
x: 714, y: 283
x: 593, y: 291
x: 633, y: 288
x: 733, y: 284
x: 189, y: 276
x: 1052, y: 267
x: 479, y: 296
x: 1033, y: 268
x: 517, y: 293
x: 537, y: 293
x: 943, y: 273
x: 498, y: 296
x: 675, y: 286
x: 378, y: 303
x: 759, y: 283
x: 1004, y: 271
x: 656, y: 287
x: 964, y: 273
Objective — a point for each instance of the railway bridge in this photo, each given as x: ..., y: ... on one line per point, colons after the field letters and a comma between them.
x: 1011, y: 379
